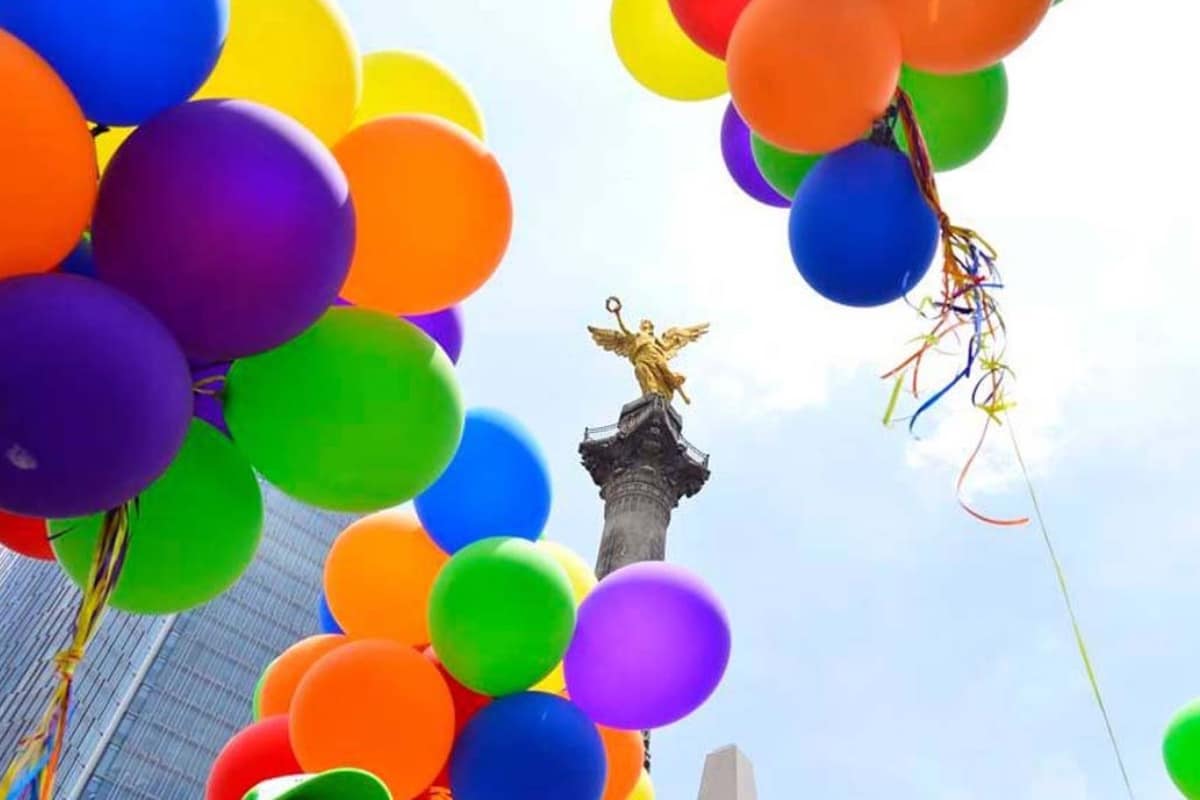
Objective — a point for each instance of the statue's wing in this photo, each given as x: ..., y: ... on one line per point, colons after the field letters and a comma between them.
x: 613, y: 341
x: 675, y: 339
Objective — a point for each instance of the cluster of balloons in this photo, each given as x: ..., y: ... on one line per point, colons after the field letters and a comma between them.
x: 231, y: 244
x: 809, y: 82
x: 456, y: 662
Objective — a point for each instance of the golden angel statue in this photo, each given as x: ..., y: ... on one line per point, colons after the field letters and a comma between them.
x: 648, y: 352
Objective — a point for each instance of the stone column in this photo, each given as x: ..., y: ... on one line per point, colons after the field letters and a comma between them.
x: 643, y: 467
x: 728, y: 775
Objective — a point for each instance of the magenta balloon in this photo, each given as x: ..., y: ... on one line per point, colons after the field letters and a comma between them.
x: 651, y: 645
x: 228, y: 220
x: 95, y: 396
x: 444, y: 327
x: 739, y: 160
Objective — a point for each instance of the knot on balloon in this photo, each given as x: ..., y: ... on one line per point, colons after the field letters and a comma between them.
x: 68, y: 661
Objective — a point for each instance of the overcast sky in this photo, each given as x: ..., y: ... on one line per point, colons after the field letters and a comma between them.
x: 885, y: 645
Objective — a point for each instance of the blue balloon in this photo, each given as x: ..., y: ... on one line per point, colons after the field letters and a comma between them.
x: 327, y: 621
x: 530, y: 745
x: 79, y: 261
x: 862, y: 234
x: 496, y: 485
x: 125, y: 60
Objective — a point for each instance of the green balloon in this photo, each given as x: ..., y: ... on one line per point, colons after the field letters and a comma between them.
x: 783, y: 170
x: 192, y: 533
x: 959, y: 115
x: 1181, y: 750
x: 256, y: 703
x: 501, y: 615
x: 360, y: 412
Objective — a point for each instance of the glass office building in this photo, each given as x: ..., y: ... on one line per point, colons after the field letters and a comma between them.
x: 157, y: 697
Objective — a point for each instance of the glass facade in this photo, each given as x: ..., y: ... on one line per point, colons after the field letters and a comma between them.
x: 157, y: 697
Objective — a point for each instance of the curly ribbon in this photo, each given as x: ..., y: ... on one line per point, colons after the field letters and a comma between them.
x: 966, y: 306
x: 33, y: 771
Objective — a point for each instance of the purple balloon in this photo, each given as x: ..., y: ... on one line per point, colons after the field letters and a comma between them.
x: 96, y: 396
x: 739, y: 160
x: 228, y: 220
x: 444, y: 327
x: 208, y: 382
x: 651, y: 645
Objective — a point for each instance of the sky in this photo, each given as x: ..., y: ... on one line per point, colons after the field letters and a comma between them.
x: 885, y: 645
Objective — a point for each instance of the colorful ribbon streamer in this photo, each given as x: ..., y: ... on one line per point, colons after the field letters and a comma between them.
x: 35, y: 766
x: 966, y: 307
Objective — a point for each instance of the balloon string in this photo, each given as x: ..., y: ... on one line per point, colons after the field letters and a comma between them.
x: 966, y: 304
x: 35, y: 766
x: 1066, y: 596
x: 205, y: 386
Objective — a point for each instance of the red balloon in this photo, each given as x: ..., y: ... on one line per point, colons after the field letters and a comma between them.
x: 709, y: 23
x: 26, y: 535
x: 466, y: 702
x: 259, y: 753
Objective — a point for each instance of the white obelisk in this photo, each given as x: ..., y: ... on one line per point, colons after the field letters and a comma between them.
x: 728, y: 775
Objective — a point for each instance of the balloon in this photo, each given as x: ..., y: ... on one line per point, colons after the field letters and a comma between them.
x: 336, y: 784
x: 260, y: 752
x: 434, y: 214
x: 660, y: 56
x: 25, y: 535
x: 285, y: 673
x: 498, y: 484
x: 709, y: 23
x: 296, y: 56
x: 1181, y: 750
x: 644, y: 789
x: 959, y: 115
x: 739, y: 160
x: 634, y: 669
x: 782, y: 170
x: 107, y: 144
x: 79, y: 261
x: 466, y: 703
x: 445, y: 327
x: 583, y: 580
x: 413, y: 83
x: 811, y: 76
x: 378, y: 576
x: 378, y: 706
x: 207, y: 385
x: 46, y: 159
x: 192, y: 534
x: 862, y: 233
x: 256, y: 700
x: 328, y: 623
x: 501, y: 615
x: 626, y: 753
x: 96, y: 396
x: 255, y: 215
x: 581, y: 576
x: 955, y: 36
x: 359, y: 413
x: 525, y: 746
x: 124, y: 62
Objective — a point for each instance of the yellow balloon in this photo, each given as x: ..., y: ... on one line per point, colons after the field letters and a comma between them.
x: 583, y: 579
x: 660, y: 55
x: 107, y: 144
x: 644, y: 789
x: 411, y: 83
x: 297, y: 56
x: 554, y: 683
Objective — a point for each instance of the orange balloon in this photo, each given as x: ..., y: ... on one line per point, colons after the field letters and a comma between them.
x: 285, y: 672
x: 47, y: 164
x: 810, y: 76
x: 378, y: 577
x: 626, y: 751
x: 955, y: 36
x: 433, y: 209
x: 377, y: 706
